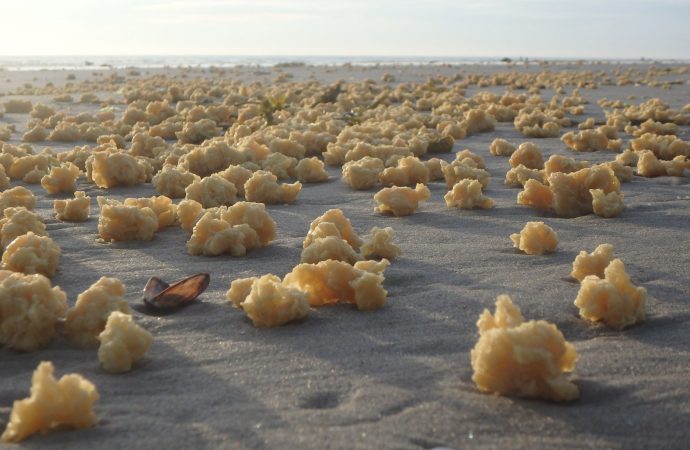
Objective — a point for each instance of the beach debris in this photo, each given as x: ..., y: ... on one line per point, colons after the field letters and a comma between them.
x: 29, y: 310
x: 64, y: 402
x: 87, y: 318
x: 160, y: 295
x: 401, y: 201
x: 122, y: 343
x: 536, y: 238
x: 612, y: 299
x: 527, y: 359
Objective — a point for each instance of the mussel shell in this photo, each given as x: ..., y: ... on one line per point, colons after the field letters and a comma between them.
x: 161, y: 296
x: 154, y: 287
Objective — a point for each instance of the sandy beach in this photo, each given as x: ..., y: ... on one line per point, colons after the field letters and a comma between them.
x: 399, y: 377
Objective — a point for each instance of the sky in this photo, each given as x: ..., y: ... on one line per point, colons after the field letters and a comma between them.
x: 493, y: 28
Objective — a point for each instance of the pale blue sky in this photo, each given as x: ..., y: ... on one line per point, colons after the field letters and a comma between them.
x: 549, y: 28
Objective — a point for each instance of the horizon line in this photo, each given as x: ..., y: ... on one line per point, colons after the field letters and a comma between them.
x: 315, y: 55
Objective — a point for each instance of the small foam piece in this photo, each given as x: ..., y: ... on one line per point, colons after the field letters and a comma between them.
x: 606, y: 205
x: 122, y: 343
x: 52, y: 403
x: 271, y: 303
x: 536, y: 238
x: 467, y: 194
x: 30, y: 308
x: 527, y: 359
x: 73, y: 210
x: 401, y: 201
x: 592, y: 263
x: 613, y: 300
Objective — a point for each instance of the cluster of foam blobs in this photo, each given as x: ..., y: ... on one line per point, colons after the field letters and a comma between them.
x: 335, y: 266
x: 227, y: 149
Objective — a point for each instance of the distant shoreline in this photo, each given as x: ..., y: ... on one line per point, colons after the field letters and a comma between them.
x: 107, y: 62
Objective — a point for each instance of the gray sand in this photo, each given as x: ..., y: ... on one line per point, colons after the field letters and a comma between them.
x: 399, y: 377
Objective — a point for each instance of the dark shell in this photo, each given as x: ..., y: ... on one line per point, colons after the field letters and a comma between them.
x: 162, y: 296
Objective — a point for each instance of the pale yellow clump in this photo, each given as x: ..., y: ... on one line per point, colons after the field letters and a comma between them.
x: 332, y: 281
x: 29, y: 310
x: 401, y: 201
x: 111, y: 169
x: 606, y: 205
x: 536, y: 238
x: 6, y: 131
x: 31, y: 254
x: 479, y: 121
x: 592, y: 263
x: 501, y: 147
x: 527, y: 359
x: 41, y: 111
x: 17, y: 196
x: 364, y: 173
x: 536, y: 124
x: 213, y: 190
x: 61, y: 179
x: 379, y: 244
x: 623, y: 173
x: 664, y: 147
x: 254, y: 215
x: 464, y: 169
x: 188, y: 213
x: 341, y: 224
x: 172, y: 181
x: 518, y: 176
x: 18, y: 106
x: 329, y: 247
x: 4, y: 179
x: 467, y: 156
x: 467, y: 194
x: 239, y: 290
x: 35, y: 134
x: 263, y: 187
x: 536, y: 195
x: 18, y: 221
x: 67, y: 402
x: 73, y: 210
x: 271, y: 303
x: 210, y: 158
x: 591, y: 140
x: 529, y: 155
x: 123, y: 343
x: 653, y: 127
x: 31, y: 168
x: 279, y: 165
x: 373, y: 266
x: 86, y: 319
x: 162, y: 206
x: 233, y: 230
x: 676, y: 166
x: 311, y: 170
x: 587, y: 124
x: 648, y: 165
x: 613, y: 300
x: 197, y: 132
x: 562, y: 163
x: 408, y: 171
x: 435, y: 166
x: 507, y: 315
x: 119, y: 222
x: 572, y: 197
x: 237, y: 175
x: 288, y: 148
x: 213, y: 237
x: 628, y: 157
